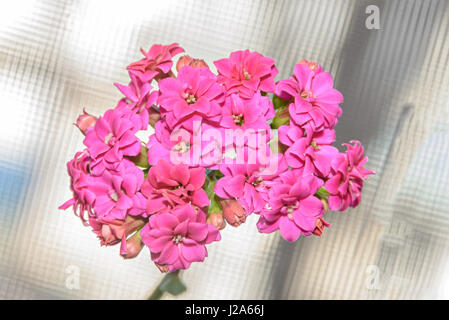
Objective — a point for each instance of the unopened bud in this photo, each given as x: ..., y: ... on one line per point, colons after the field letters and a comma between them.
x: 216, y: 219
x: 85, y: 121
x: 189, y: 61
x: 320, y: 224
x: 132, y: 247
x: 233, y: 212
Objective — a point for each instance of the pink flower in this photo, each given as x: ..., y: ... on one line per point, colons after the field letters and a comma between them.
x: 112, y: 137
x: 113, y: 231
x: 157, y: 61
x: 292, y: 207
x: 238, y: 113
x: 139, y: 98
x: 80, y: 180
x: 177, y: 239
x: 233, y: 212
x: 346, y: 181
x: 246, y: 72
x: 247, y: 183
x: 170, y: 185
x: 188, y: 146
x: 85, y: 121
x: 315, y: 100
x: 117, y: 193
x: 313, y: 153
x: 194, y: 92
x: 189, y: 61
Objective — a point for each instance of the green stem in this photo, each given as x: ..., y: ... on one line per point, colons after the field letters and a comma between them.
x: 170, y: 283
x: 156, y: 294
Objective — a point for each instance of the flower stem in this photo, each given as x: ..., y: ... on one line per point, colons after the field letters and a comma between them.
x: 170, y: 283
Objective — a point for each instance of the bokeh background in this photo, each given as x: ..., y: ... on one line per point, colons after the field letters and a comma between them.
x: 57, y: 57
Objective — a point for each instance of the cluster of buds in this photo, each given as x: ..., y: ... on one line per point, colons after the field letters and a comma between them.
x: 211, y: 160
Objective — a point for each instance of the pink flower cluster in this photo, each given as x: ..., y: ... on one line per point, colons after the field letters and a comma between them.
x: 132, y: 192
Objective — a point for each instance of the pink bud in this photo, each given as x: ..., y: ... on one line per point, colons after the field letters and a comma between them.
x: 189, y: 61
x: 216, y: 219
x: 320, y: 224
x: 132, y: 247
x: 112, y: 232
x: 85, y: 121
x: 233, y: 212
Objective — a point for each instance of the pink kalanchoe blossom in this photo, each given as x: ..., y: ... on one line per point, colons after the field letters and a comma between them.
x: 194, y: 92
x: 139, y: 98
x: 179, y: 238
x: 189, y: 61
x: 346, y: 181
x: 247, y: 183
x: 170, y: 185
x: 114, y: 231
x: 316, y: 102
x: 85, y: 121
x: 238, y: 113
x: 112, y: 137
x: 246, y: 72
x: 292, y: 207
x: 118, y: 193
x: 313, y: 153
x: 157, y: 62
x: 188, y: 146
x: 80, y: 180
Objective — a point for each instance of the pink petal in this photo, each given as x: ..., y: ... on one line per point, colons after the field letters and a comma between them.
x: 194, y: 253
x: 288, y: 229
x: 169, y: 254
x: 197, y: 231
x: 200, y: 198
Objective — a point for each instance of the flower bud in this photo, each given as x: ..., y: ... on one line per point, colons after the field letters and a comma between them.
x: 189, y: 61
x: 132, y: 247
x: 320, y: 224
x: 111, y: 232
x: 85, y: 121
x: 233, y: 212
x: 216, y: 219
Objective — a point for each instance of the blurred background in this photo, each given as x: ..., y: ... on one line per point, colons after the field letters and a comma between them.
x: 58, y: 57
